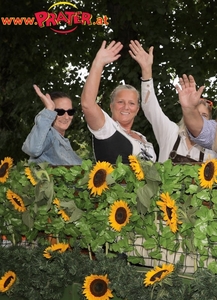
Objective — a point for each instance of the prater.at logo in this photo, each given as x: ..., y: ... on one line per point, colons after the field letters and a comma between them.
x: 61, y: 17
x: 66, y: 20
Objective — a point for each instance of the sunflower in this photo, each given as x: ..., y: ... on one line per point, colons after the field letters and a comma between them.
x: 56, y: 247
x: 119, y: 215
x: 6, y: 164
x: 167, y: 205
x: 16, y: 201
x: 7, y: 281
x: 56, y: 201
x: 97, y: 177
x: 61, y: 211
x: 136, y: 167
x: 63, y: 215
x: 208, y: 173
x: 157, y: 274
x: 96, y: 287
x: 29, y: 175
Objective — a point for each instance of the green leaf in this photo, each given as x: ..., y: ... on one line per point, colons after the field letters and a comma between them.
x: 27, y: 219
x: 150, y: 244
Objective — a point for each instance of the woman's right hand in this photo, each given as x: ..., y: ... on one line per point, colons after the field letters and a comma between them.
x: 189, y: 96
x: 108, y: 54
x: 46, y: 99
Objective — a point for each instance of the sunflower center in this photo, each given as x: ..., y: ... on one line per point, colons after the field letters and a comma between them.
x: 7, y: 281
x: 209, y: 171
x: 58, y: 249
x: 99, y: 178
x: 17, y: 201
x: 120, y: 215
x: 3, y: 169
x: 169, y: 212
x: 98, y: 287
x: 157, y: 275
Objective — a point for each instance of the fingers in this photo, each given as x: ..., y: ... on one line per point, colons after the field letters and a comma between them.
x: 38, y: 91
x: 187, y: 81
x: 151, y: 50
x: 115, y: 46
x: 135, y: 47
x: 201, y: 89
x: 103, y: 45
x: 46, y: 99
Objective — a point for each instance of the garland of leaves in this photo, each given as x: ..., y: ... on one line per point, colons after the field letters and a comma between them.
x: 103, y: 208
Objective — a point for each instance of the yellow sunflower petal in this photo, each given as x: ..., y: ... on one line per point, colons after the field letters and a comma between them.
x: 96, y: 287
x: 60, y: 247
x: 56, y: 201
x: 136, y: 167
x: 63, y: 215
x: 169, y: 208
x: 5, y: 166
x: 208, y: 173
x: 7, y: 281
x: 16, y: 201
x: 157, y: 274
x: 97, y: 177
x: 119, y: 215
x: 29, y: 175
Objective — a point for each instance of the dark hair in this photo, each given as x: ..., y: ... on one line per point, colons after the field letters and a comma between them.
x: 56, y: 95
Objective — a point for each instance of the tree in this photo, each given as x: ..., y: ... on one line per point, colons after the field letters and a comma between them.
x: 181, y: 32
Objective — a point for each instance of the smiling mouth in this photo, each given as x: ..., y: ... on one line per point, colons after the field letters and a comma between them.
x: 65, y: 123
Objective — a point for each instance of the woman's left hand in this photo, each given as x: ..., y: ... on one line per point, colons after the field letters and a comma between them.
x: 144, y: 59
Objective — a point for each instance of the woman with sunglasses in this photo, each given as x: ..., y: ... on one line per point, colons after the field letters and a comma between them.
x: 113, y: 136
x: 172, y: 138
x: 46, y: 141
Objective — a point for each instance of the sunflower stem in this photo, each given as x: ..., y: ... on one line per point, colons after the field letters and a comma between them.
x: 13, y: 239
x: 106, y: 248
x: 89, y: 251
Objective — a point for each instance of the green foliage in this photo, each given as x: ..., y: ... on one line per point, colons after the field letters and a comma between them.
x: 181, y: 32
x: 95, y: 247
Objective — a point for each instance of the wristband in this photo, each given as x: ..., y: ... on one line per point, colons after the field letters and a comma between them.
x: 145, y: 80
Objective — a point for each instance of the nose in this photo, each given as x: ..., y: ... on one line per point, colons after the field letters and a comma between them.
x: 126, y: 105
x: 66, y: 115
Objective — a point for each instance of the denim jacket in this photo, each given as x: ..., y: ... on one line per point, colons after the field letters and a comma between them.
x: 46, y: 144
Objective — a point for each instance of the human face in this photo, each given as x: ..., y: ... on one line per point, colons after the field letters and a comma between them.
x: 61, y: 123
x: 125, y: 107
x: 204, y: 111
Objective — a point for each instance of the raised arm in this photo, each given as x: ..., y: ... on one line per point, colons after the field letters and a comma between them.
x: 92, y: 112
x: 189, y: 98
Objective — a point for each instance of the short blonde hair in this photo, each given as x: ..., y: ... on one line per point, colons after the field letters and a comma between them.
x: 122, y: 87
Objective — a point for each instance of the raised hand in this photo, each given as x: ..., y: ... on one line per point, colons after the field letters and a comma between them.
x: 108, y: 54
x: 144, y: 59
x: 189, y: 96
x: 46, y: 99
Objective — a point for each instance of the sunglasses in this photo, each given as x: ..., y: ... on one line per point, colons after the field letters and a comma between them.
x: 61, y: 112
